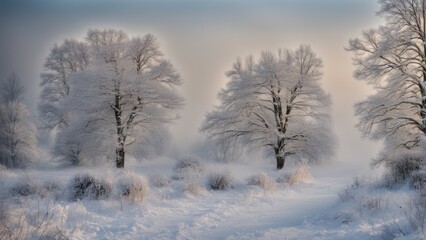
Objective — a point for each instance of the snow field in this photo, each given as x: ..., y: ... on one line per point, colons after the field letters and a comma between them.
x: 319, y: 206
x: 170, y: 210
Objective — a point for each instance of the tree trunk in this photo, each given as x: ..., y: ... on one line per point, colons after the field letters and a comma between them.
x: 120, y: 156
x: 280, y: 162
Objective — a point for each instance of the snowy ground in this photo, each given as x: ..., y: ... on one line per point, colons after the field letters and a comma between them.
x: 310, y: 210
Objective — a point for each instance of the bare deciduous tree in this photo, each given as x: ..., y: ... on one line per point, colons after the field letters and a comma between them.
x: 392, y: 58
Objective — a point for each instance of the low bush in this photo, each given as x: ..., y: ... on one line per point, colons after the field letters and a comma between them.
x: 25, y: 187
x: 262, y: 180
x: 188, y: 168
x: 416, y: 213
x: 388, y: 181
x: 31, y: 223
x: 160, y: 181
x: 361, y: 200
x: 361, y: 204
x: 418, y: 180
x: 294, y: 176
x: 351, y: 192
x: 3, y: 168
x: 347, y: 194
x: 221, y: 181
x: 345, y: 217
x: 193, y: 188
x: 400, y: 169
x: 86, y: 186
x: 395, y: 230
x: 376, y: 202
x: 414, y: 224
x: 131, y: 186
x: 51, y: 185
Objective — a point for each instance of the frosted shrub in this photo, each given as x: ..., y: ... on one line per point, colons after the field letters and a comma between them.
x: 374, y: 202
x: 132, y: 186
x: 352, y: 191
x: 193, y: 188
x: 31, y: 223
x: 221, y: 181
x: 418, y: 180
x: 188, y: 168
x: 348, y: 194
x: 361, y: 204
x: 160, y: 181
x: 299, y: 175
x: 400, y: 169
x: 86, y: 186
x: 416, y: 213
x: 25, y: 187
x: 361, y: 201
x: 4, y: 222
x: 51, y: 185
x: 395, y: 230
x: 262, y: 180
x: 388, y: 181
x: 3, y: 168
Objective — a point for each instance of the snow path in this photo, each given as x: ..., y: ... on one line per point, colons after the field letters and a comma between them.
x: 234, y: 214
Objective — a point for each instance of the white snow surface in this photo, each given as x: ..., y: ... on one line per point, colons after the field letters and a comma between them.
x: 307, y: 210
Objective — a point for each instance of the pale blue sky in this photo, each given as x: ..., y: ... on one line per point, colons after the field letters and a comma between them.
x: 202, y: 38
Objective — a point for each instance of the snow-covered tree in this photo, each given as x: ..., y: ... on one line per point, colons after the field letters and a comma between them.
x: 127, y: 92
x: 129, y: 76
x: 71, y: 56
x: 277, y: 104
x: 18, y: 145
x: 64, y: 59
x: 392, y: 59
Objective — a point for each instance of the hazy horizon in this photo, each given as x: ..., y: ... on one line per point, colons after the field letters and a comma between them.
x: 202, y: 39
